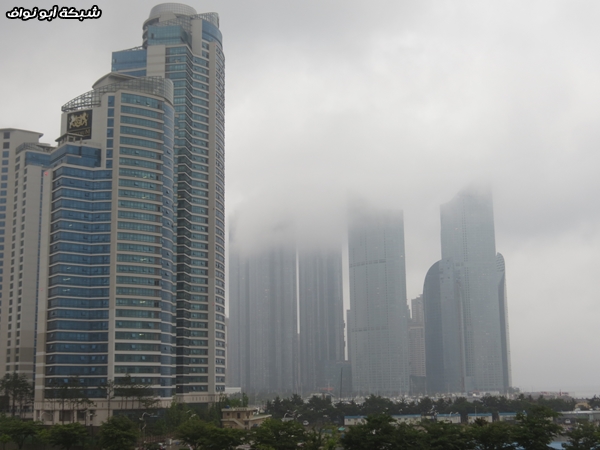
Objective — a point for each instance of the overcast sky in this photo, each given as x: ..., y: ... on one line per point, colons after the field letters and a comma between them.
x: 403, y: 103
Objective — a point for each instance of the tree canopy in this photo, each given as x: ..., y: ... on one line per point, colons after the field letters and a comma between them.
x: 118, y: 433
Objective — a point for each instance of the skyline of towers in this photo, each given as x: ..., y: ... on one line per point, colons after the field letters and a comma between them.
x: 434, y: 350
x: 467, y: 342
x: 137, y: 242
x: 285, y: 319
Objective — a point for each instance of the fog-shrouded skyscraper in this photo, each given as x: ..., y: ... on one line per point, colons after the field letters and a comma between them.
x: 263, y: 319
x: 445, y: 331
x: 186, y: 47
x: 417, y: 346
x: 465, y: 302
x: 321, y: 308
x: 504, y: 329
x: 378, y: 315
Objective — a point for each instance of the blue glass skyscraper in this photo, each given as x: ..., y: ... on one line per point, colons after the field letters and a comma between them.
x: 186, y: 48
x: 109, y: 302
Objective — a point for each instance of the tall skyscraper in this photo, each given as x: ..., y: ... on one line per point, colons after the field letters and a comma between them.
x: 417, y: 346
x: 504, y: 330
x: 378, y: 315
x: 186, y: 47
x: 129, y: 210
x: 263, y: 317
x: 106, y: 305
x: 321, y: 307
x: 445, y: 331
x: 22, y: 220
x: 465, y: 302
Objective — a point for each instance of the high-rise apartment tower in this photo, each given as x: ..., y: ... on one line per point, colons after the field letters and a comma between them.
x: 378, y: 315
x: 417, y: 346
x: 22, y: 219
x: 263, y: 316
x: 321, y: 307
x: 186, y: 48
x: 107, y: 277
x: 467, y: 343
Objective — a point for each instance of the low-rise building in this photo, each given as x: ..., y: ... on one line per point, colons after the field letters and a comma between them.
x: 242, y: 418
x: 570, y: 418
x: 408, y: 418
x: 353, y: 420
x: 507, y: 416
x: 449, y: 418
x: 471, y: 418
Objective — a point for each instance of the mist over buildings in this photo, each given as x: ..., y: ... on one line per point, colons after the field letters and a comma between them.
x: 402, y: 104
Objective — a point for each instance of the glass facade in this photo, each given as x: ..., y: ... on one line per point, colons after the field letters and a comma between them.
x: 79, y: 256
x: 465, y: 300
x: 378, y: 315
x: 104, y: 289
x: 155, y: 231
x: 195, y: 64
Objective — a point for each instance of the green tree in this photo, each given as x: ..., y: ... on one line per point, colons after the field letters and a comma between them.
x: 492, y: 436
x: 18, y: 430
x: 202, y: 435
x: 66, y: 436
x: 584, y: 436
x: 128, y: 389
x: 409, y: 437
x: 191, y: 432
x: 326, y: 438
x: 221, y: 438
x: 318, y: 410
x: 594, y: 402
x: 118, y: 433
x: 176, y: 415
x: 109, y: 388
x: 446, y: 436
x: 42, y: 438
x: 236, y: 402
x: 426, y: 405
x: 346, y: 409
x: 278, y: 435
x: 18, y: 389
x: 381, y: 432
x: 78, y: 397
x: 536, y: 429
x: 4, y: 439
x: 374, y: 405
